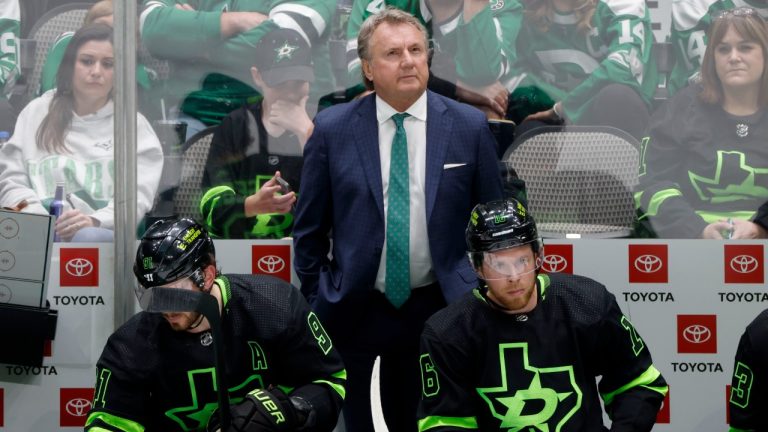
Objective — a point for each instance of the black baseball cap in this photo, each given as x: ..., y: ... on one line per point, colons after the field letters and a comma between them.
x: 283, y: 55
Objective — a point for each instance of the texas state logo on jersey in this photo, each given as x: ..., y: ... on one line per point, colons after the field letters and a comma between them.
x: 553, y: 391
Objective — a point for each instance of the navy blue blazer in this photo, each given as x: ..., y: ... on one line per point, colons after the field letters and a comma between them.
x: 341, y: 197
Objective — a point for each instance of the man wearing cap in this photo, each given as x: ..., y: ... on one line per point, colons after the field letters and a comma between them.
x: 157, y: 371
x: 256, y: 144
x: 391, y: 179
x: 523, y: 350
x: 209, y: 44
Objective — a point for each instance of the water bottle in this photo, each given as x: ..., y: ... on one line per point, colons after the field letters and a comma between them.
x: 57, y: 205
x: 4, y: 137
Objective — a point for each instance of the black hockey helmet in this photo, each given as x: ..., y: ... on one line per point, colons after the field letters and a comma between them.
x: 172, y: 249
x: 499, y: 225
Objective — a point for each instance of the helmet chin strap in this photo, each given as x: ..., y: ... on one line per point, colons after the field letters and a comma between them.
x: 199, y: 279
x: 197, y: 323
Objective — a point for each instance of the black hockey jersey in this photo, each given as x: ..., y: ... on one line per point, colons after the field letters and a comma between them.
x: 152, y: 378
x: 700, y: 165
x: 749, y: 387
x: 242, y: 158
x: 484, y: 369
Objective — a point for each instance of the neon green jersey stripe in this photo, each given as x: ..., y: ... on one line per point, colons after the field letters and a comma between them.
x: 436, y: 421
x: 644, y: 380
x: 114, y: 421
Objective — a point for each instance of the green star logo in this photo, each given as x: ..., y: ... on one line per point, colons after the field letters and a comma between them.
x: 537, y: 406
x: 285, y: 52
x: 204, y: 400
x: 733, y: 180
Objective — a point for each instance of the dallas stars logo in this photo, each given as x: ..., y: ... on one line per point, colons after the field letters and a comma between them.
x: 733, y: 179
x: 285, y: 52
x: 536, y: 407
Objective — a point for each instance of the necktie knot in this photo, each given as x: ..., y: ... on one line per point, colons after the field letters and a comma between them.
x: 398, y: 119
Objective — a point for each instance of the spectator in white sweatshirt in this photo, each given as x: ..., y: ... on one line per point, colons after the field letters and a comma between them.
x: 67, y: 135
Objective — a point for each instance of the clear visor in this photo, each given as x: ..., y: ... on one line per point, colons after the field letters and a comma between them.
x: 496, y: 267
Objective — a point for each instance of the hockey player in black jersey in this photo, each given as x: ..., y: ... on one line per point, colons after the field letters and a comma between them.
x: 157, y: 372
x: 749, y: 386
x: 522, y: 352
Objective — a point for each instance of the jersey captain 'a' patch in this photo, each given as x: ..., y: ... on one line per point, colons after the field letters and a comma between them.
x: 529, y: 397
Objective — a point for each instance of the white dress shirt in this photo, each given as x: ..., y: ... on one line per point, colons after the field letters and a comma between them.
x: 416, y: 134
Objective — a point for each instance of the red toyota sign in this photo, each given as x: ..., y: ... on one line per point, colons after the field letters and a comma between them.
x: 79, y: 267
x: 648, y: 263
x: 744, y: 264
x: 273, y: 260
x: 74, y: 404
x: 663, y: 416
x: 697, y: 334
x: 558, y: 259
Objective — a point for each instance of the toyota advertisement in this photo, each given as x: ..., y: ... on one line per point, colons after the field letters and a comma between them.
x: 697, y: 334
x: 744, y: 264
x: 272, y: 260
x: 79, y: 267
x: 74, y: 404
x: 648, y: 264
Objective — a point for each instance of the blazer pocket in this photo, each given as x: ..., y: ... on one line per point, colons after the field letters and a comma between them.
x: 453, y: 165
x: 458, y: 169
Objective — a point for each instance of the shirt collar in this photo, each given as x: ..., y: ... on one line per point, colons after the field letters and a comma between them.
x: 418, y: 110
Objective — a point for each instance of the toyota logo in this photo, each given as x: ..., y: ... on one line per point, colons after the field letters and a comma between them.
x: 79, y: 267
x: 78, y: 407
x: 271, y: 264
x: 554, y: 263
x: 697, y: 333
x: 648, y: 263
x: 744, y: 264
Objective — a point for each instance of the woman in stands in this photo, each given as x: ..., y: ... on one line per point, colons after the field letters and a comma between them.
x: 101, y: 12
x: 66, y: 135
x: 587, y: 62
x: 704, y: 172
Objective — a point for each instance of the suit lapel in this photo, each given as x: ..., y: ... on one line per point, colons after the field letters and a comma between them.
x: 367, y: 144
x: 438, y: 135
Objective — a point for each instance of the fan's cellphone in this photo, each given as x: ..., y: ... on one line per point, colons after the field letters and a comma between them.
x: 285, y: 187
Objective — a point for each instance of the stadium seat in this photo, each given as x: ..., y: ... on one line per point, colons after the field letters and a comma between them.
x: 579, y: 180
x: 64, y: 18
x: 193, y: 159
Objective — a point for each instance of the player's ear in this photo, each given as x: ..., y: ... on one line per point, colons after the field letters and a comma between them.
x: 209, y: 274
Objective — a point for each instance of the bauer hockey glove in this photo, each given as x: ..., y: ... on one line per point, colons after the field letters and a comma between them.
x: 264, y: 411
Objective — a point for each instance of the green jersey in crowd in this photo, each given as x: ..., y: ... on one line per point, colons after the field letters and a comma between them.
x: 210, y: 74
x: 9, y: 44
x: 572, y: 67
x: 690, y: 21
x: 480, y: 48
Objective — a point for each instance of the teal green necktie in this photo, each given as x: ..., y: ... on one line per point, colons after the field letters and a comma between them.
x: 398, y: 277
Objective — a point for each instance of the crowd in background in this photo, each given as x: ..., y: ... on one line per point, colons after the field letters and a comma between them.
x: 531, y: 63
